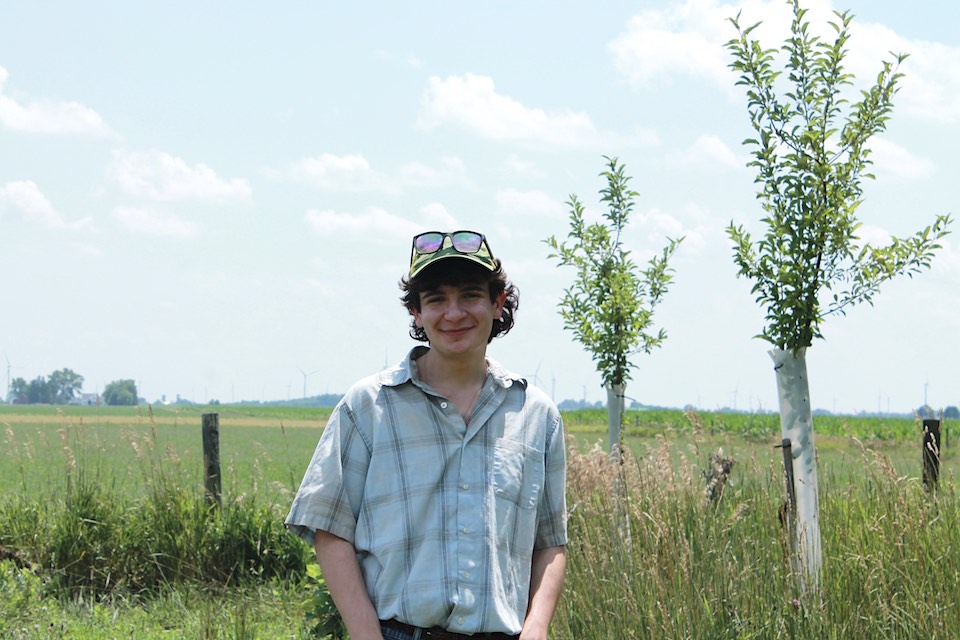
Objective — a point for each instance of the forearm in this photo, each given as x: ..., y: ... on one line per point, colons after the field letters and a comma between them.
x: 341, y: 571
x: 546, y: 582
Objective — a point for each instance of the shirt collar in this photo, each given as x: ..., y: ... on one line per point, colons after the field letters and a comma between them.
x: 402, y: 372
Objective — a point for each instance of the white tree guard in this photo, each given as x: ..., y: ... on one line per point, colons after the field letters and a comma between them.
x: 796, y: 423
x: 616, y: 403
x: 615, y: 408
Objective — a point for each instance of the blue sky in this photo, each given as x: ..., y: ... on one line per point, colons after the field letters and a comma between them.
x: 217, y: 200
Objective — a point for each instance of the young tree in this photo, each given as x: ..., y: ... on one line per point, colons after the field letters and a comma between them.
x: 609, y: 307
x: 811, y: 155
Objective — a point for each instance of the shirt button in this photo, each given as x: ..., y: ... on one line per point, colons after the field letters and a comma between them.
x: 464, y: 486
x: 459, y: 620
x: 443, y: 405
x: 466, y: 529
x: 465, y: 574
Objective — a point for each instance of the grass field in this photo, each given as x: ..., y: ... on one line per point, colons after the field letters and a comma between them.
x: 94, y: 483
x: 119, y: 445
x: 272, y: 445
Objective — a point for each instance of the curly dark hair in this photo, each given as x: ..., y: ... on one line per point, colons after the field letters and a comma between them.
x: 456, y: 273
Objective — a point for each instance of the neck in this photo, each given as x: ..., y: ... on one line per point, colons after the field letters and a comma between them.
x: 458, y: 381
x: 446, y: 372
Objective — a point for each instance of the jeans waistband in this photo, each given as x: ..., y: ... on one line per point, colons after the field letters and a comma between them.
x: 436, y: 633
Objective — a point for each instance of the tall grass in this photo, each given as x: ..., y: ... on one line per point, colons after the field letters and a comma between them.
x: 112, y: 518
x: 89, y: 535
x: 694, y: 568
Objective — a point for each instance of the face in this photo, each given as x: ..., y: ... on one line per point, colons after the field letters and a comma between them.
x: 458, y: 319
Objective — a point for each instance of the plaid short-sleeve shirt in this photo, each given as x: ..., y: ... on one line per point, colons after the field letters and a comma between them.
x: 444, y: 515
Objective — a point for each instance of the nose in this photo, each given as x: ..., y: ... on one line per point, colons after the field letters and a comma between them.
x: 454, y: 310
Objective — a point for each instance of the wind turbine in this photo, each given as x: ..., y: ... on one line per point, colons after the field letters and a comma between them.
x: 10, y: 367
x: 536, y: 375
x: 306, y: 375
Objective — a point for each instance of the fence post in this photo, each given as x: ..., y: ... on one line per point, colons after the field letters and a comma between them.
x: 931, y: 452
x: 785, y: 444
x: 211, y: 458
x: 788, y: 510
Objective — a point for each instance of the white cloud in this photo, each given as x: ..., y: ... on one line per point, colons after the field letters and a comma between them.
x: 947, y: 259
x: 660, y: 224
x: 472, y: 101
x: 25, y: 197
x: 19, y: 113
x: 374, y: 221
x: 652, y: 227
x: 349, y: 172
x: 160, y: 176
x: 522, y: 168
x: 688, y: 39
x: 709, y: 149
x: 437, y: 217
x: 151, y: 222
x: 652, y: 48
x: 526, y: 203
x: 873, y: 235
x: 702, y: 230
x: 410, y: 60
x: 930, y: 86
x: 892, y: 159
x: 450, y: 171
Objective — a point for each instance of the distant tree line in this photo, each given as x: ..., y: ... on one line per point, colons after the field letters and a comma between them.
x: 65, y: 386
x: 929, y: 413
x: 60, y: 387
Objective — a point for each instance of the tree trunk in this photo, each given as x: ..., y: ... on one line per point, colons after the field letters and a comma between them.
x: 796, y: 423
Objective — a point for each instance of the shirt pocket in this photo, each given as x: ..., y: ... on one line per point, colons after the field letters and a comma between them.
x: 517, y: 473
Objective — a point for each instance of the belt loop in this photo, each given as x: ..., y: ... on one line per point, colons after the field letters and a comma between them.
x: 417, y: 633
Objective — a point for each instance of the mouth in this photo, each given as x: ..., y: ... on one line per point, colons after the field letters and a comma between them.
x: 459, y: 331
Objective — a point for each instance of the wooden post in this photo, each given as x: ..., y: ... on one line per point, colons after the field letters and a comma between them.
x: 788, y: 471
x: 211, y: 457
x: 788, y: 510
x: 931, y: 452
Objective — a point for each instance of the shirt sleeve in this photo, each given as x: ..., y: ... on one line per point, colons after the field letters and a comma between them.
x: 552, y: 520
x: 332, y: 488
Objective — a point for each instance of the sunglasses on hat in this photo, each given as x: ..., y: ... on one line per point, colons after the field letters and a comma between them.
x: 433, y: 246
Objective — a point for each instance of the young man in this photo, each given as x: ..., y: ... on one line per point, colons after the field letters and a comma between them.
x: 435, y: 499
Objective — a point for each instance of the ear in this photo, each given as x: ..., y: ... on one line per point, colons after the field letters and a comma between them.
x: 418, y: 320
x: 498, y: 305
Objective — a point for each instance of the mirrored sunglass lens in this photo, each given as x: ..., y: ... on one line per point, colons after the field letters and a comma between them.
x: 467, y: 241
x: 428, y: 242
